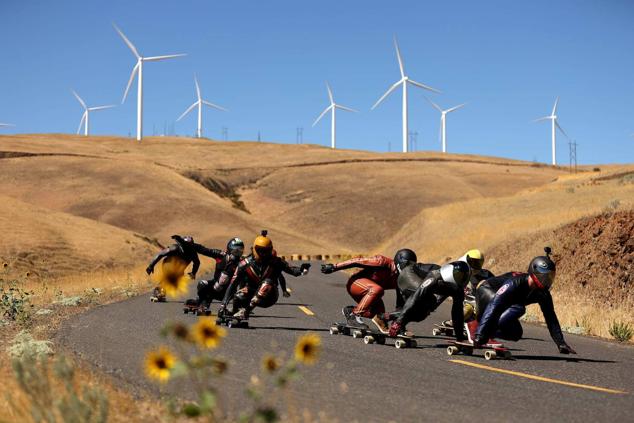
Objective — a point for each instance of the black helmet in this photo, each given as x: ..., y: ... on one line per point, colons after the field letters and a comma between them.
x: 235, y: 247
x: 457, y: 272
x: 404, y: 256
x: 183, y: 239
x: 542, y: 270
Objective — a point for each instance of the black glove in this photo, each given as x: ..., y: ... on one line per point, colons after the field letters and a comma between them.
x: 566, y: 349
x: 327, y: 268
x: 192, y: 275
x: 177, y: 238
x: 304, y: 267
x: 149, y: 270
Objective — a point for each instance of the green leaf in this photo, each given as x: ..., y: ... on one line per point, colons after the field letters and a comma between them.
x: 207, y: 401
x: 191, y: 410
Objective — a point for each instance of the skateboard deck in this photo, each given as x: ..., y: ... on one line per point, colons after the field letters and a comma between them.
x: 491, y: 351
x: 232, y: 322
x: 191, y: 306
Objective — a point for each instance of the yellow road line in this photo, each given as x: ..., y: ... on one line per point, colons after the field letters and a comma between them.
x: 306, y: 310
x: 540, y: 378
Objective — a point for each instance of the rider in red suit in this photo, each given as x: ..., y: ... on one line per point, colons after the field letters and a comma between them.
x: 367, y: 286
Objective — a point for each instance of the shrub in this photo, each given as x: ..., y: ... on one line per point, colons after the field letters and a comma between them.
x: 596, y: 169
x: 53, y: 395
x: 23, y: 344
x: 621, y: 331
x: 614, y: 204
x: 15, y: 302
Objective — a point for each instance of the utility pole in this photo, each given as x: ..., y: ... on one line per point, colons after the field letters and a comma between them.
x: 413, y: 135
x: 225, y: 133
x: 572, y: 148
x: 299, y: 139
x: 259, y: 137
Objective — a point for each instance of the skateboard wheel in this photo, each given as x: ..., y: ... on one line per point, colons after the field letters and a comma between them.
x: 400, y: 344
x: 334, y: 330
x: 357, y: 334
x: 490, y: 355
x: 435, y: 332
x: 152, y: 300
x: 230, y: 324
x: 368, y: 339
x: 452, y: 350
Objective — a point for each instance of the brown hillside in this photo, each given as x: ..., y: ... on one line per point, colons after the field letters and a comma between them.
x: 313, y: 199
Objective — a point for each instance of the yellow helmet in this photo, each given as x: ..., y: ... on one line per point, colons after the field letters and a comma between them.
x: 262, y: 246
x: 475, y: 259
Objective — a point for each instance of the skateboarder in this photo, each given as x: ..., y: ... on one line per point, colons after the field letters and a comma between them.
x: 226, y: 262
x: 184, y: 249
x: 502, y: 300
x: 366, y: 287
x: 424, y: 295
x: 255, y: 280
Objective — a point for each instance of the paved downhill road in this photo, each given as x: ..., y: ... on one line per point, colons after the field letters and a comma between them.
x: 354, y: 381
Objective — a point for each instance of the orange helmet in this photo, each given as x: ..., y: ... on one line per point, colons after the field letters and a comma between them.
x: 262, y: 246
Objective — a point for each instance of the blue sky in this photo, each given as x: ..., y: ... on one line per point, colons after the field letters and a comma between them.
x: 266, y: 61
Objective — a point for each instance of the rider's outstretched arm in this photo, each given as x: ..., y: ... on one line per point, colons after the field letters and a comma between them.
x: 552, y: 322
x: 162, y: 254
x: 363, y: 262
x: 208, y: 252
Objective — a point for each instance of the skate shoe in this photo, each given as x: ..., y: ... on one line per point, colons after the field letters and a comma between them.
x: 471, y: 327
x: 447, y: 323
x: 493, y: 343
x: 379, y: 324
x: 242, y: 314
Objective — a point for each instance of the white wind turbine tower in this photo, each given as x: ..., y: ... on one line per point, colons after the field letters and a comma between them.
x: 85, y: 118
x: 554, y: 126
x: 403, y: 81
x: 443, y: 121
x: 333, y: 120
x: 138, y: 68
x: 199, y: 103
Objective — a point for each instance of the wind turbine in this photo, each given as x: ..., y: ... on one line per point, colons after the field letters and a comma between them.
x: 555, y: 124
x: 138, y: 68
x: 443, y: 121
x: 199, y: 103
x: 333, y: 121
x: 85, y: 118
x: 403, y: 81
x: 6, y: 125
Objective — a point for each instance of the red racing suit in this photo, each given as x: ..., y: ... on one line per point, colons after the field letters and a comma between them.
x: 367, y: 286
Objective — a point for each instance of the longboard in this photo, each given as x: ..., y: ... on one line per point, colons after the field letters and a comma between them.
x: 371, y: 337
x: 491, y: 351
x: 192, y: 306
x: 232, y: 322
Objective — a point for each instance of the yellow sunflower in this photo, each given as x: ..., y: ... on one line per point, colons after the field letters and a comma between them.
x: 207, y: 334
x: 159, y: 364
x: 270, y: 363
x: 172, y: 278
x: 307, y: 348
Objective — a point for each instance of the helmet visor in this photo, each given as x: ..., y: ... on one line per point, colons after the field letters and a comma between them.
x: 474, y: 263
x: 237, y: 250
x: 263, y: 252
x: 544, y: 280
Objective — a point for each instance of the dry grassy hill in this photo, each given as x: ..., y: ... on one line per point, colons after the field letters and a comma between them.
x: 313, y: 199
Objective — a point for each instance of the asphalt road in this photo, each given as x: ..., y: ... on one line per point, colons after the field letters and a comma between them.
x: 368, y: 383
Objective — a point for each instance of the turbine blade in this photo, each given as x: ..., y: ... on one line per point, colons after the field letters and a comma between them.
x: 214, y: 106
x: 81, y: 122
x: 322, y: 114
x: 555, y: 107
x: 6, y: 124
x: 92, y: 109
x: 132, y: 75
x: 542, y: 119
x: 128, y: 42
x: 455, y: 108
x: 348, y: 109
x: 400, y: 59
x: 388, y: 92
x: 157, y: 58
x: 197, y: 88
x: 330, y: 94
x: 79, y: 99
x: 437, y: 107
x: 423, y: 86
x: 561, y: 129
x: 189, y: 109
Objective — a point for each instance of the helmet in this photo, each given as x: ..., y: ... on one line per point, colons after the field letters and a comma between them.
x: 542, y: 270
x: 183, y: 239
x: 457, y: 272
x: 235, y: 247
x: 262, y: 246
x: 404, y: 256
x: 475, y: 259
